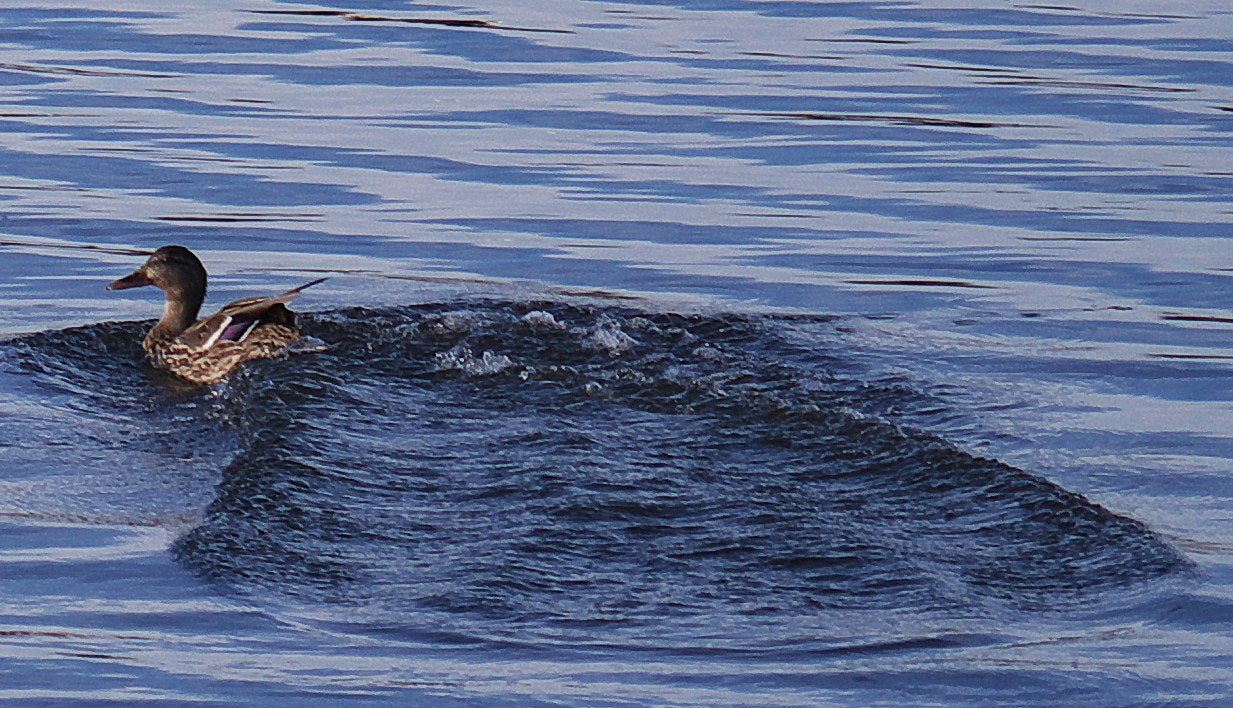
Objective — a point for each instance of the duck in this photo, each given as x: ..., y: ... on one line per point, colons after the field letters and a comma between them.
x: 205, y: 351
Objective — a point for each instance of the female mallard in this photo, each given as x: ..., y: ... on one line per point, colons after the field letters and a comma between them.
x: 206, y: 351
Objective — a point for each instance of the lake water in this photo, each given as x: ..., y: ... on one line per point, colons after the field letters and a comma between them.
x: 699, y: 353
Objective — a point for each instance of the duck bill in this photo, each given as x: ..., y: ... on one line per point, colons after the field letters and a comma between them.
x: 136, y: 279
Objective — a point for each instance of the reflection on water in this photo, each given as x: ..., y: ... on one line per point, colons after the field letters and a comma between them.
x: 1018, y: 211
x: 668, y: 149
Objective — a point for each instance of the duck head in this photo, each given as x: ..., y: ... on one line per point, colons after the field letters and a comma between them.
x: 178, y: 273
x: 171, y: 268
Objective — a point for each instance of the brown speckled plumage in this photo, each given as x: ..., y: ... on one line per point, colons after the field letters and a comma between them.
x: 212, y: 365
x: 206, y: 351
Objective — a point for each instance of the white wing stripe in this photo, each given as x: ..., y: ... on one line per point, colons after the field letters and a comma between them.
x: 218, y: 332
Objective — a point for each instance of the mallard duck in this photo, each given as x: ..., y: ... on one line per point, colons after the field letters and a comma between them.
x: 205, y: 351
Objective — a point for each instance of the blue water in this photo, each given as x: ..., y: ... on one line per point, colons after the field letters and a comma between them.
x: 678, y: 353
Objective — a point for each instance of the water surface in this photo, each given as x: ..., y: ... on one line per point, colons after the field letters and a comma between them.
x: 689, y: 353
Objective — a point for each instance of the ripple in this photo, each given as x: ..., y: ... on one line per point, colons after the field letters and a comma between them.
x: 595, y: 475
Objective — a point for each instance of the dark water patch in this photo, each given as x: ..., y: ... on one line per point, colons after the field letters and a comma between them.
x: 77, y: 71
x: 23, y: 243
x: 441, y: 22
x: 917, y: 282
x: 546, y: 472
x: 1176, y: 317
x: 1200, y: 357
x: 242, y: 218
x: 924, y: 121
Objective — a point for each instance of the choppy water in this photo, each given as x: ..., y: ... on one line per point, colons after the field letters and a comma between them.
x: 723, y: 353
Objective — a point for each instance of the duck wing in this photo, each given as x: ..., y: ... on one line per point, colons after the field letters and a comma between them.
x: 238, y: 319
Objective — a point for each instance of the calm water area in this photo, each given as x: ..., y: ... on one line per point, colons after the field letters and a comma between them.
x: 730, y: 352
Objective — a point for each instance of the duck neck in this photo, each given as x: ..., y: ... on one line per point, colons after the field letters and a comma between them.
x: 179, y: 313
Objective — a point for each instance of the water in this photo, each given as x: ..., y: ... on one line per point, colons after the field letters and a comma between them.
x: 679, y: 353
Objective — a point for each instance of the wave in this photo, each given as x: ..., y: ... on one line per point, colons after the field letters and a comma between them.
x: 578, y: 474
